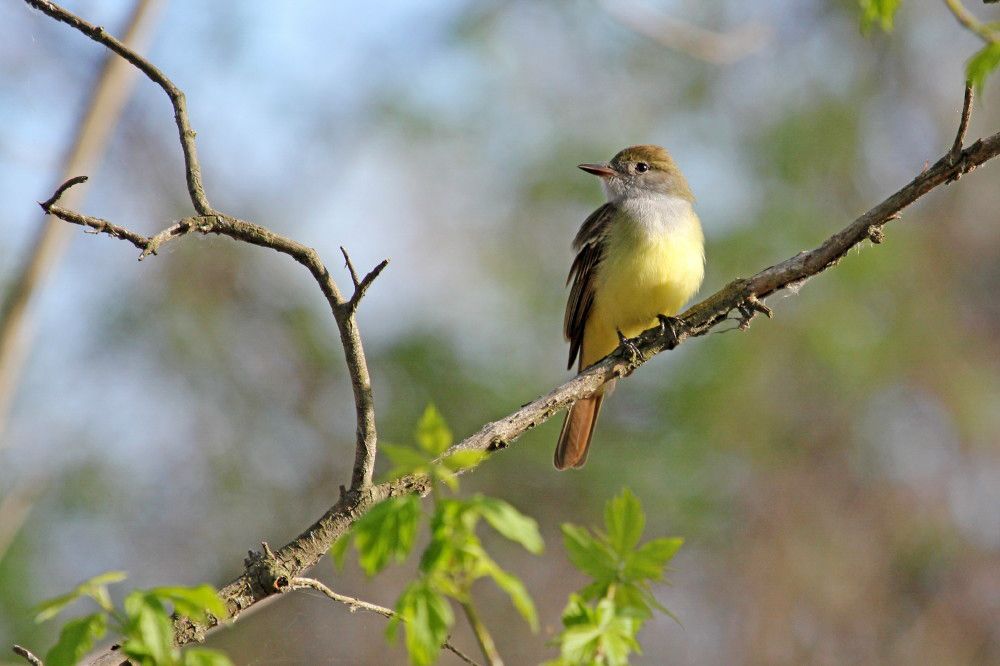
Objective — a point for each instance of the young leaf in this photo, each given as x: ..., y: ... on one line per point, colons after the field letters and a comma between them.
x: 625, y: 521
x: 518, y: 594
x: 648, y: 562
x: 386, y: 532
x: 463, y: 460
x: 510, y: 522
x: 405, y: 460
x: 205, y: 657
x: 95, y: 588
x: 149, y: 632
x: 433, y: 434
x: 588, y: 554
x: 193, y: 602
x: 426, y: 618
x: 982, y: 64
x: 77, y: 639
x: 878, y: 11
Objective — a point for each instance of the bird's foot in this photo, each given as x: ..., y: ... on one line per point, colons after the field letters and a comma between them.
x: 749, y: 309
x: 635, y: 356
x: 671, y: 327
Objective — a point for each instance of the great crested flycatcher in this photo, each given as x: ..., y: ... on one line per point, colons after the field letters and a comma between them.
x: 639, y: 256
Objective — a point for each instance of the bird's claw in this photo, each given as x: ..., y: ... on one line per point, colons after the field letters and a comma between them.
x: 671, y: 326
x: 631, y: 350
x: 749, y: 309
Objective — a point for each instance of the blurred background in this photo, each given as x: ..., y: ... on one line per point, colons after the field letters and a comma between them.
x: 835, y: 472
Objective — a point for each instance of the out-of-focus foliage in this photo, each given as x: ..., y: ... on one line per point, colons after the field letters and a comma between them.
x: 834, y: 471
x: 881, y: 12
x: 144, y: 623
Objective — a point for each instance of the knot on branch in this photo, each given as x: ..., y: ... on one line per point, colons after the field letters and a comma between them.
x: 265, y: 572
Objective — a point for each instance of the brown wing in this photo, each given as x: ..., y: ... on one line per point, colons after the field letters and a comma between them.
x: 589, y: 243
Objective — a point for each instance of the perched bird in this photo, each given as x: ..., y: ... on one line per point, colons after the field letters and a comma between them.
x: 639, y: 256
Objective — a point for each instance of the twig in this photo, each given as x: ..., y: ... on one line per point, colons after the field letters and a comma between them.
x: 26, y: 653
x: 350, y: 267
x: 191, y: 166
x: 971, y: 23
x: 75, y: 180
x: 483, y: 636
x: 963, y: 124
x: 360, y: 285
x: 299, y: 583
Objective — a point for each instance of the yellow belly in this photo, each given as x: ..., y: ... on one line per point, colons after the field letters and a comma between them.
x: 641, y: 276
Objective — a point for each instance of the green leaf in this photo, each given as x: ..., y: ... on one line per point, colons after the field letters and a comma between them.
x: 149, y: 631
x: 625, y: 521
x: 982, y: 64
x: 461, y: 460
x: 405, y: 460
x: 387, y: 532
x: 518, y: 594
x: 205, y: 657
x: 426, y: 617
x: 882, y: 12
x: 193, y: 602
x: 510, y: 522
x: 77, y: 639
x: 95, y: 588
x: 432, y: 433
x: 587, y: 554
x: 649, y: 561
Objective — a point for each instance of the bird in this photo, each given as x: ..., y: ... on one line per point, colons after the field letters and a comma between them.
x: 639, y: 258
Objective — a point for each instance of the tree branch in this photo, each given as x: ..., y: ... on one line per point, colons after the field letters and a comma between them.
x: 27, y: 655
x: 300, y: 583
x: 186, y: 133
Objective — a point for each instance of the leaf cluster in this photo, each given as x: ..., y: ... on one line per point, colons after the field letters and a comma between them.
x: 454, y: 557
x: 145, y: 623
x: 601, y: 621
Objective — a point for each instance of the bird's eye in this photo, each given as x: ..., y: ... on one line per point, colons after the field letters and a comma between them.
x: 642, y: 167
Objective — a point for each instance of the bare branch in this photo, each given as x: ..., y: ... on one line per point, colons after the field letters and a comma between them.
x: 963, y: 124
x: 191, y: 166
x: 299, y: 583
x: 26, y: 653
x: 366, y: 282
x: 350, y: 267
x: 75, y: 180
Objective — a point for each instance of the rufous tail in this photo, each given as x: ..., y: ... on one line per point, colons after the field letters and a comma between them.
x: 577, y: 430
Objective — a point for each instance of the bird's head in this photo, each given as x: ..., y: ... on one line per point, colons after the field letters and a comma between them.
x: 641, y: 171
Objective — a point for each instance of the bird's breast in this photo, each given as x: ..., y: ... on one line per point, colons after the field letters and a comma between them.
x: 653, y: 263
